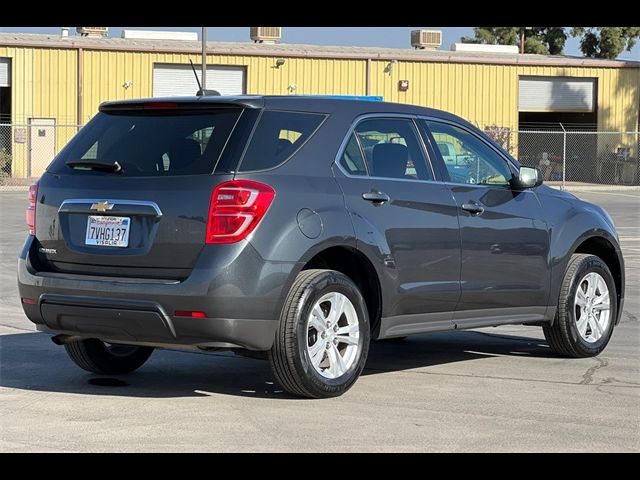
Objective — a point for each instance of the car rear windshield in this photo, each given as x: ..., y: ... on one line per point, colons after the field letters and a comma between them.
x: 143, y: 144
x: 277, y: 137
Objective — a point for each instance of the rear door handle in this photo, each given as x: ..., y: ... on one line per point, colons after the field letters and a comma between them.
x: 376, y: 197
x: 473, y: 208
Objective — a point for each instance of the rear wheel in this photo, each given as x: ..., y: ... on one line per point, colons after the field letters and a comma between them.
x: 322, y: 343
x: 97, y: 356
x: 586, y: 309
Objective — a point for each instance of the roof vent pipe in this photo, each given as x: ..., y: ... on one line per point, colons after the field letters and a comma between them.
x: 65, y: 31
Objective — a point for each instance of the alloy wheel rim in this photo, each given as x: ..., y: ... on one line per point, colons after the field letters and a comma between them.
x: 333, y: 334
x: 592, y: 307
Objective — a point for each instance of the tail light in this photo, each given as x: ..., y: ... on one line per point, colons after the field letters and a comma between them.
x: 236, y: 209
x: 31, y: 209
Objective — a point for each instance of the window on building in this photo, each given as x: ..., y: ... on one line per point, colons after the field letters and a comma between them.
x: 5, y: 116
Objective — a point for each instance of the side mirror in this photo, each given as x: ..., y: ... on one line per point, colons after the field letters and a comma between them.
x: 528, y: 177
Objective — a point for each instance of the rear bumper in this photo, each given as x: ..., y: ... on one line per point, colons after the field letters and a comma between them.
x: 240, y: 292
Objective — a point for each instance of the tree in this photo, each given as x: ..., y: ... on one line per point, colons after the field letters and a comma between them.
x: 606, y: 42
x: 542, y: 40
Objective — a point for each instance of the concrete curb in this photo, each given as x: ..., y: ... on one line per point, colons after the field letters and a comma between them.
x: 600, y: 188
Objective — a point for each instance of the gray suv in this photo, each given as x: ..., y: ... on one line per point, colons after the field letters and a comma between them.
x: 298, y: 229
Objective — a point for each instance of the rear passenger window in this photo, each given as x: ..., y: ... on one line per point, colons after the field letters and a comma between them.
x: 392, y: 149
x: 352, y: 160
x: 278, y: 135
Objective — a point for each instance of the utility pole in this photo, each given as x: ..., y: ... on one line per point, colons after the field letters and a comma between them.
x: 204, y: 58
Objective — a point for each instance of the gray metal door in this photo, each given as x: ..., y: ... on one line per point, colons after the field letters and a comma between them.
x: 178, y: 80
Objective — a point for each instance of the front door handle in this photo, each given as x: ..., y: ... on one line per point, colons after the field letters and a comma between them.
x: 376, y: 197
x: 473, y: 208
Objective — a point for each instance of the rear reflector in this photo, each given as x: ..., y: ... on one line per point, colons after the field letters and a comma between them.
x: 29, y: 301
x: 236, y: 209
x: 31, y: 209
x: 190, y: 313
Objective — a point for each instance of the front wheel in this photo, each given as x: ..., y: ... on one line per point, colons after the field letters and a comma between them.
x: 587, y: 309
x: 322, y: 342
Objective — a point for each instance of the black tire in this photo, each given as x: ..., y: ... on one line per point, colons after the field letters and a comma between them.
x: 95, y: 356
x: 289, y: 358
x: 563, y: 336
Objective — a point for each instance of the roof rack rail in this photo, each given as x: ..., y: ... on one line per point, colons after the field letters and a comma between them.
x: 368, y: 98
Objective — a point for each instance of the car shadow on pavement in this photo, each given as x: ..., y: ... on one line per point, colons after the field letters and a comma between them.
x: 30, y: 361
x: 440, y: 348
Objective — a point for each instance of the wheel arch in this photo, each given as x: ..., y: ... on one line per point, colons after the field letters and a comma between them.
x: 346, y: 259
x: 605, y: 249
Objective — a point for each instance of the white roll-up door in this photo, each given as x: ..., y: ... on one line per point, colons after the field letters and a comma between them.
x: 556, y: 94
x: 178, y: 80
x: 5, y: 72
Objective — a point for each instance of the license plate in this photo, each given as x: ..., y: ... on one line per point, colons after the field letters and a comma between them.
x: 107, y: 231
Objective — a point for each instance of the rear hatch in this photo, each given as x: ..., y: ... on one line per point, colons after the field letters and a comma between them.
x: 129, y: 195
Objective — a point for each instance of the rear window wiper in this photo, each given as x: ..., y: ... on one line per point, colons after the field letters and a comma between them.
x: 94, y: 164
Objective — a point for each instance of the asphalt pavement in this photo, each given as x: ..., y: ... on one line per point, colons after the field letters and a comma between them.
x: 493, y: 389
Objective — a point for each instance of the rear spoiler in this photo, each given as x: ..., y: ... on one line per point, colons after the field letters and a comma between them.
x: 189, y: 103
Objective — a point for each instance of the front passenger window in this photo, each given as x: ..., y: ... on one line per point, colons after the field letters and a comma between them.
x: 467, y: 158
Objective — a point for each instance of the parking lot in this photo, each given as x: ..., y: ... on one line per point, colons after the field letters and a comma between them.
x: 495, y: 389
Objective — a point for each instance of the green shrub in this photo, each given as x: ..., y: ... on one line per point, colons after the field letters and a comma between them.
x: 5, y: 163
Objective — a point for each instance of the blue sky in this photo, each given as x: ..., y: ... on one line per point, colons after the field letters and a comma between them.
x: 361, y: 36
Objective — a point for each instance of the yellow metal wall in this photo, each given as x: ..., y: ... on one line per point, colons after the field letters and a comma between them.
x: 44, y: 85
x: 488, y: 94
x: 106, y: 71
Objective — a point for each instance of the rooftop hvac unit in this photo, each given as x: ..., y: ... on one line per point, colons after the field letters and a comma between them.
x: 426, y: 39
x: 92, y: 31
x: 266, y: 34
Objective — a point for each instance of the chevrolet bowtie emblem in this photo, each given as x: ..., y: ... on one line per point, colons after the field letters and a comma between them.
x: 102, y: 206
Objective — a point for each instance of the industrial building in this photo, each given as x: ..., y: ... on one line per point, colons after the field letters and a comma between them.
x: 50, y: 81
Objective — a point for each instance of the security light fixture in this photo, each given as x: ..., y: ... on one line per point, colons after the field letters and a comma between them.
x: 279, y: 62
x: 389, y: 68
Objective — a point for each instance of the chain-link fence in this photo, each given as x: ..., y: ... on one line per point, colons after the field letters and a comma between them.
x: 564, y: 156
x: 27, y: 149
x: 608, y: 158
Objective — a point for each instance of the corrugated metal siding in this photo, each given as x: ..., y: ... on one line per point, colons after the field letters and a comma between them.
x: 556, y: 94
x: 482, y: 94
x: 172, y: 79
x: 5, y: 72
x: 308, y: 76
x: 45, y: 84
x: 488, y: 94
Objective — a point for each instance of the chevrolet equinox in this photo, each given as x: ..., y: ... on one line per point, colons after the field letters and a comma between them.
x: 299, y: 229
